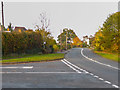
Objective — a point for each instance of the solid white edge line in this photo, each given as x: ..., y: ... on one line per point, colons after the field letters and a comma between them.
x: 97, y: 61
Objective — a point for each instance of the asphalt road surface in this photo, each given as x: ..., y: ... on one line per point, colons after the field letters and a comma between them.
x: 81, y: 68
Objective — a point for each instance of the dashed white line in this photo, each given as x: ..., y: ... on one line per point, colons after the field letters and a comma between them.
x: 115, y: 86
x: 97, y: 61
x: 101, y: 79
x: 107, y: 82
x: 96, y: 76
x: 91, y: 74
x: 72, y: 65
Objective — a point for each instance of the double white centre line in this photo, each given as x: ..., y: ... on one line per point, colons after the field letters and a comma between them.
x: 70, y: 66
x: 78, y: 70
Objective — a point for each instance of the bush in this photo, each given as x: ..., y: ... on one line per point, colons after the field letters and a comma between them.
x: 24, y: 42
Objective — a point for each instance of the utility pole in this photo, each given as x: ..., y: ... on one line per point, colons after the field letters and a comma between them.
x: 2, y: 17
x: 61, y: 40
x: 66, y: 39
x: 70, y: 40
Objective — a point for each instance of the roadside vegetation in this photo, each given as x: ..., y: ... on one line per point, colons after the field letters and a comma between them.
x: 22, y: 45
x: 111, y: 56
x: 35, y: 58
x: 40, y: 42
x: 106, y: 41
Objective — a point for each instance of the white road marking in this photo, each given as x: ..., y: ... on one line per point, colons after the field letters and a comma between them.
x: 97, y: 61
x: 71, y: 65
x: 76, y: 66
x: 108, y: 82
x: 23, y: 67
x: 115, y: 86
x: 96, y: 76
x: 91, y: 74
x: 101, y: 79
x: 37, y: 72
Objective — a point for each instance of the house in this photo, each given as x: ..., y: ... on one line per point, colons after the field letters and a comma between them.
x: 20, y: 29
x: 29, y: 30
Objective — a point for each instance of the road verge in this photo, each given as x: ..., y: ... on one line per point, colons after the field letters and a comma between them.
x: 34, y: 58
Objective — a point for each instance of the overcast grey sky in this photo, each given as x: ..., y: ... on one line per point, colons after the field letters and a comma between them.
x: 83, y: 17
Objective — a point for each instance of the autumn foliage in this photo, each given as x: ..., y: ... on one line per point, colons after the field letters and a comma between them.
x: 108, y: 37
x: 25, y: 42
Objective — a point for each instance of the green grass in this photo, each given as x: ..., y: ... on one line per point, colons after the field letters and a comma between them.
x: 33, y: 58
x: 110, y: 56
x: 17, y: 56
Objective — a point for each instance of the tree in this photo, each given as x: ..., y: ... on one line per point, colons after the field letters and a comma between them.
x: 77, y: 42
x: 44, y: 30
x: 44, y: 22
x: 91, y: 41
x: 66, y: 38
x: 107, y: 38
x: 10, y: 28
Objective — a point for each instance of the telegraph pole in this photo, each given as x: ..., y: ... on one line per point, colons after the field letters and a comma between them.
x: 60, y: 40
x: 2, y: 16
x: 66, y: 39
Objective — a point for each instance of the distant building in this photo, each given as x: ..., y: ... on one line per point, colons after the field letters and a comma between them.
x: 20, y: 29
x: 6, y: 31
x: 29, y: 30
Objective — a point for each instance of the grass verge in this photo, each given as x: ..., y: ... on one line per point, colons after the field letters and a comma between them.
x: 35, y: 58
x: 110, y: 56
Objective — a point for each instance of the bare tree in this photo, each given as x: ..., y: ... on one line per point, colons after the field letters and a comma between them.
x: 44, y: 27
x: 44, y: 21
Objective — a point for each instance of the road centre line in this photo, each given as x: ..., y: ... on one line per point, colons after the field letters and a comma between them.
x: 71, y: 66
x: 97, y: 61
x: 76, y: 66
x: 68, y: 63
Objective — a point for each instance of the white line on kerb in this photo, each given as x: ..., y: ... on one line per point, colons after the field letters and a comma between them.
x: 24, y: 67
x: 97, y: 61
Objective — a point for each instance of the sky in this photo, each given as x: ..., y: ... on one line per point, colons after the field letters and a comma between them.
x: 83, y: 17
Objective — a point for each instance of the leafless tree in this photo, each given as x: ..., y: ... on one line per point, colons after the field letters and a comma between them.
x: 44, y: 22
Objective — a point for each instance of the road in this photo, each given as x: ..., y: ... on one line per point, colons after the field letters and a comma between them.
x: 81, y: 68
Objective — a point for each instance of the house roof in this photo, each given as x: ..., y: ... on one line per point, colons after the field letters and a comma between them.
x: 22, y: 28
